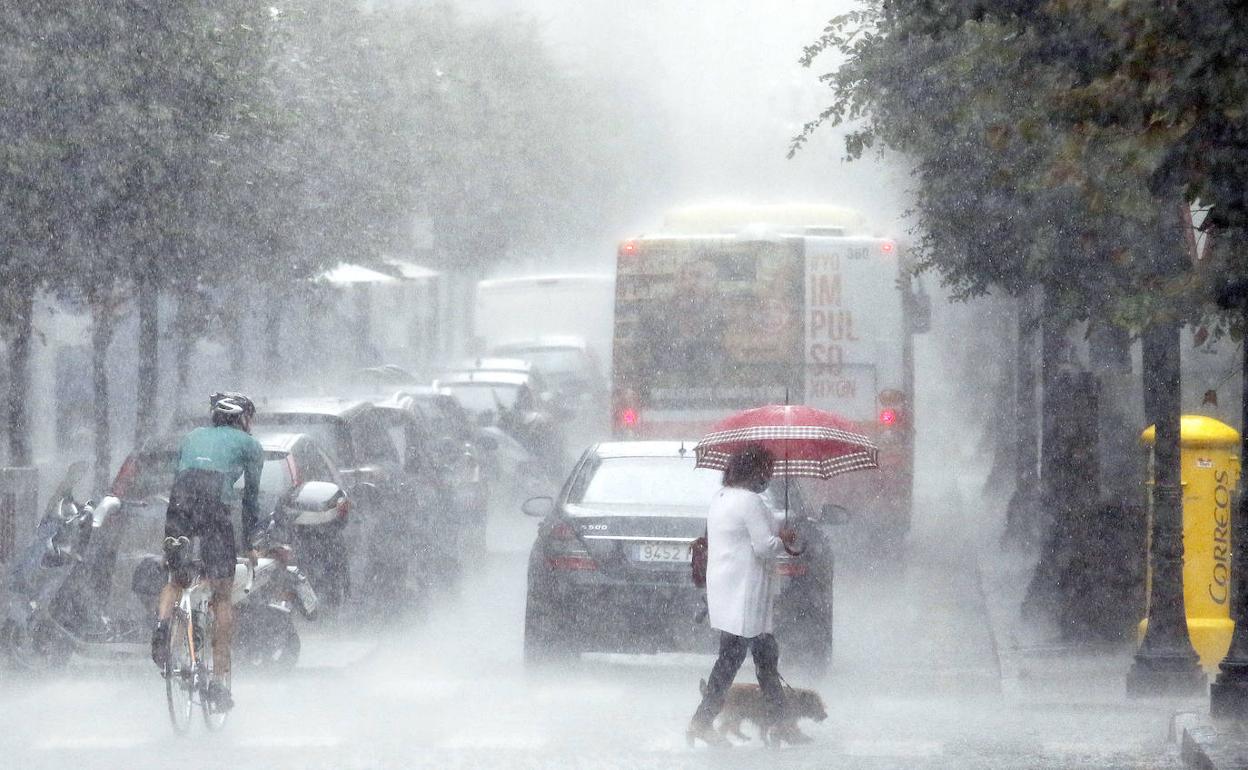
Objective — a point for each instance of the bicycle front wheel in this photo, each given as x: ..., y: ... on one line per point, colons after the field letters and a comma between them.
x: 180, y: 672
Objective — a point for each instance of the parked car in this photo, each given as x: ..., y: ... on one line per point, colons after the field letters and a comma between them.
x: 567, y: 364
x: 290, y: 459
x: 610, y: 568
x: 512, y: 365
x: 397, y: 512
x: 575, y: 378
x: 456, y: 448
x: 509, y: 400
x: 430, y: 466
x: 494, y: 468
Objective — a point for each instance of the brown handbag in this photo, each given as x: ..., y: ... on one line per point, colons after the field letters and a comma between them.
x: 699, y: 551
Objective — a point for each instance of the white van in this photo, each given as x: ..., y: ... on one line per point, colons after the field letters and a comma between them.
x: 518, y: 310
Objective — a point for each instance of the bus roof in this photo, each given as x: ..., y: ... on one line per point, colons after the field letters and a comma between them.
x: 792, y: 217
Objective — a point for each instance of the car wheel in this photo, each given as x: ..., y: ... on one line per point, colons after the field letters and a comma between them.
x: 545, y: 639
x: 33, y: 648
x: 810, y: 654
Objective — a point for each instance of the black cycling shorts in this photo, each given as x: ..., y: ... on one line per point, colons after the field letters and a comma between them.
x: 195, y: 510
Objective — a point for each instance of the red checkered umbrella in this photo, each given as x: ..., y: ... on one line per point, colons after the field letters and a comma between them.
x: 805, y: 441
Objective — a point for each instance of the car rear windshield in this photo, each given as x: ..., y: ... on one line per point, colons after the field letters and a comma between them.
x: 484, y: 396
x: 557, y: 362
x: 324, y: 430
x: 647, y: 481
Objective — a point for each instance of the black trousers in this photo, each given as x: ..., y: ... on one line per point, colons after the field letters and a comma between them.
x: 732, y: 649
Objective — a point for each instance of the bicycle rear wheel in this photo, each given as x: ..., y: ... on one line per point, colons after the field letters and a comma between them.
x: 213, y: 718
x: 180, y: 673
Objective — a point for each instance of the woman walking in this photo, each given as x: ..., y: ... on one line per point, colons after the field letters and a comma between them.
x: 744, y: 538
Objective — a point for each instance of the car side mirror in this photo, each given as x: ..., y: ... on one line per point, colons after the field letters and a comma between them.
x: 316, y: 497
x: 539, y: 507
x: 831, y: 513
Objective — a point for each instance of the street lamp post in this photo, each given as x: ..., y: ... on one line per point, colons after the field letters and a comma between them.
x: 1228, y: 695
x: 1166, y: 663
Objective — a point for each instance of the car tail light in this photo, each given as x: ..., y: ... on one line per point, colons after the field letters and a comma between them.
x: 628, y: 248
x: 888, y: 417
x: 565, y: 551
x: 791, y: 568
x: 125, y: 477
x: 888, y: 247
x: 293, y: 471
x: 344, y: 509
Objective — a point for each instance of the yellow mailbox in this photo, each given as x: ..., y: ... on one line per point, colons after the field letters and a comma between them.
x: 1209, y: 454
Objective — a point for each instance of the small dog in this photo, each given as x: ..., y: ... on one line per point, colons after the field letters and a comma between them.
x: 745, y: 702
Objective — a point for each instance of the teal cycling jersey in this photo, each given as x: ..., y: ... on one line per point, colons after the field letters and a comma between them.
x: 233, y: 453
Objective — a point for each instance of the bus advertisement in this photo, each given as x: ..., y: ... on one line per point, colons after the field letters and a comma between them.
x: 710, y: 324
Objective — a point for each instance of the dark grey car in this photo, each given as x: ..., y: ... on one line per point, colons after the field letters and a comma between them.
x: 610, y: 568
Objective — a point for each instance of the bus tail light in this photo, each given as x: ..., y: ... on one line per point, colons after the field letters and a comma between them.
x: 888, y: 417
x: 626, y: 416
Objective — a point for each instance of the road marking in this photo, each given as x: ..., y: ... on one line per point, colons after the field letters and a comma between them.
x: 290, y: 741
x: 894, y: 748
x: 480, y: 739
x: 416, y: 689
x: 92, y: 742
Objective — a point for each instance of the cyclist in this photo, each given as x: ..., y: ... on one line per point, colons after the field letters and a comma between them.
x: 201, y: 502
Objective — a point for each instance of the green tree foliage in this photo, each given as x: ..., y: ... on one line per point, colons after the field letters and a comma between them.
x: 200, y: 150
x: 1055, y: 145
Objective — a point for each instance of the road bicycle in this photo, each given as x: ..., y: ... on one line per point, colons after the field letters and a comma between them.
x: 188, y: 668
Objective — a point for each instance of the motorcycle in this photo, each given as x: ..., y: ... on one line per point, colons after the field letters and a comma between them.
x: 59, y: 587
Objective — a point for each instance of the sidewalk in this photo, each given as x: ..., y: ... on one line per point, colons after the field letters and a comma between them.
x: 1208, y: 743
x: 1038, y: 671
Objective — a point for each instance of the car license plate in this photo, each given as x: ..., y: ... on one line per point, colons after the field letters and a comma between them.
x: 669, y: 552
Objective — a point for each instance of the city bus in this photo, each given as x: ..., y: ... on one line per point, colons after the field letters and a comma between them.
x: 728, y: 308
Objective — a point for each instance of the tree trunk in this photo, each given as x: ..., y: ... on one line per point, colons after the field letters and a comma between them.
x: 1118, y: 426
x: 102, y: 325
x: 1021, y: 527
x: 182, y: 350
x: 149, y: 357
x: 239, y: 344
x: 274, y: 366
x: 19, y: 378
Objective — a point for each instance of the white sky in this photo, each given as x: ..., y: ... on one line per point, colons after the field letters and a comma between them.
x: 726, y: 73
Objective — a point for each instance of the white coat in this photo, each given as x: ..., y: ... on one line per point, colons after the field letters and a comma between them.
x: 743, y: 542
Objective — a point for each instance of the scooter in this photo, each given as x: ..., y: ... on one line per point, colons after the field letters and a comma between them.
x: 58, y: 589
x: 266, y: 595
x: 55, y: 590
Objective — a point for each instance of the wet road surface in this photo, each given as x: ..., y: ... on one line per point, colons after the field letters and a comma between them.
x: 918, y: 682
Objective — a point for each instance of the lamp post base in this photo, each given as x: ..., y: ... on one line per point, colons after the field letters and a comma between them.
x: 1165, y: 676
x: 1228, y: 695
x: 1229, y: 699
